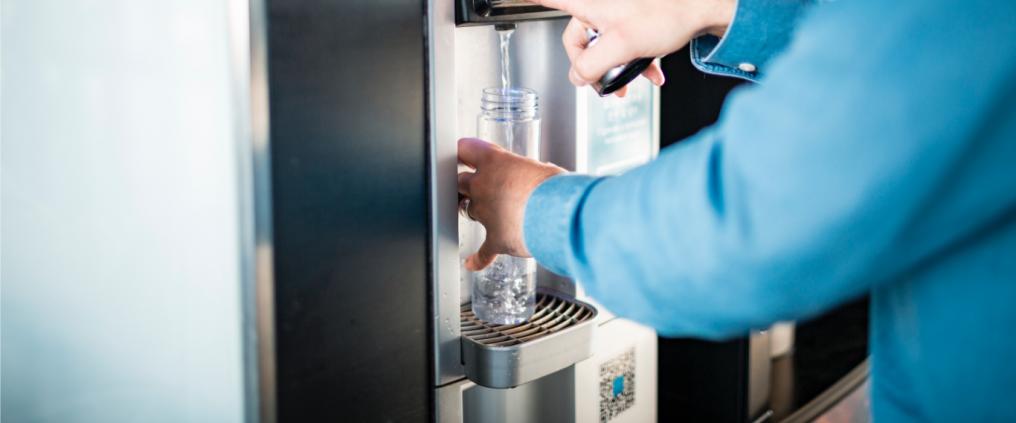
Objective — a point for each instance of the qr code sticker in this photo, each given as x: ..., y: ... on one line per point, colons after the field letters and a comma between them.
x: 617, y: 385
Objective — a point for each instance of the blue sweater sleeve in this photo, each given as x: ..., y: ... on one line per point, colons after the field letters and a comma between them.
x: 873, y: 145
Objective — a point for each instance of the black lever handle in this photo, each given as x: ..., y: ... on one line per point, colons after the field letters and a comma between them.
x: 620, y: 76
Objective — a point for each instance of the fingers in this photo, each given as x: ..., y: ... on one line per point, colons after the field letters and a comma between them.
x: 465, y: 179
x: 483, y: 258
x: 574, y: 38
x: 574, y: 78
x: 610, y: 51
x: 655, y: 74
x: 475, y: 152
x: 577, y: 8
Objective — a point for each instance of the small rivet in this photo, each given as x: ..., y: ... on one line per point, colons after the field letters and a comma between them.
x: 747, y: 67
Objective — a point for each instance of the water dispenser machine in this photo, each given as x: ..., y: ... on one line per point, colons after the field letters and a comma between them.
x: 369, y: 310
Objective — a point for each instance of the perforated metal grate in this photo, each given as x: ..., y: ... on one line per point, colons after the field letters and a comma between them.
x: 552, y: 314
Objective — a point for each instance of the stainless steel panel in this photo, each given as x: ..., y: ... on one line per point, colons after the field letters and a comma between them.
x: 443, y: 190
x: 550, y: 399
x: 463, y: 61
x: 449, y: 399
x: 758, y: 374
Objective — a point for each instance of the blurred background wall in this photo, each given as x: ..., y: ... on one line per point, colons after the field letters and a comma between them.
x: 122, y: 225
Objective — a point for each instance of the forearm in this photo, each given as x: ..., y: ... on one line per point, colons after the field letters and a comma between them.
x: 682, y: 244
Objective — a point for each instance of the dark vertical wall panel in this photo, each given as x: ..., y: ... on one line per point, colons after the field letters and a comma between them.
x: 348, y: 126
x: 698, y: 380
x: 690, y: 100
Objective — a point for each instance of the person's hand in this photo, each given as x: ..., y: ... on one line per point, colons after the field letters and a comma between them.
x: 633, y: 29
x: 495, y: 195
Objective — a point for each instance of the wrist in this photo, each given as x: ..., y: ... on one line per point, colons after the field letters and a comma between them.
x: 717, y: 17
x: 544, y: 172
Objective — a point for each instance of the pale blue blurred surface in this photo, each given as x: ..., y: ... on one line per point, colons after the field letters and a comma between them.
x: 120, y: 278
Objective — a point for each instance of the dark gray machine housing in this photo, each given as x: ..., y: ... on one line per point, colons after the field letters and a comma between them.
x: 492, y: 12
x: 349, y: 144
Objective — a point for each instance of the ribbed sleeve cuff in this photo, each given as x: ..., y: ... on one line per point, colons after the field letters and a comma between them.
x: 760, y: 30
x: 549, y: 222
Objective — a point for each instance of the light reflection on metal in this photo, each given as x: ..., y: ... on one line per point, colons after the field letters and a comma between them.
x: 248, y: 50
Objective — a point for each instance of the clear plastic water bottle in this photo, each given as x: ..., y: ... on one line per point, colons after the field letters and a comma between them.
x: 505, y: 292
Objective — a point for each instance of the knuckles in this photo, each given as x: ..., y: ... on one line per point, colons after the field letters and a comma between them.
x: 583, y: 69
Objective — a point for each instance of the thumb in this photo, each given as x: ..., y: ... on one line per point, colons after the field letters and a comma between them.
x: 483, y: 258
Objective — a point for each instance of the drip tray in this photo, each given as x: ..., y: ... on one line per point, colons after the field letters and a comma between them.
x: 505, y: 356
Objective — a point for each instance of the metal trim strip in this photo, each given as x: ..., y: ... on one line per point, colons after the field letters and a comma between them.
x: 443, y: 190
x: 248, y: 46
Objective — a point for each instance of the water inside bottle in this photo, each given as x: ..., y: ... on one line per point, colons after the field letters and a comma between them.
x: 503, y: 292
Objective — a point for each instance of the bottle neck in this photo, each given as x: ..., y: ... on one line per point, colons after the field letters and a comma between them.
x: 515, y: 104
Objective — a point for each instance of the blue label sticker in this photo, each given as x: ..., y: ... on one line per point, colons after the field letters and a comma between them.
x: 618, y: 385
